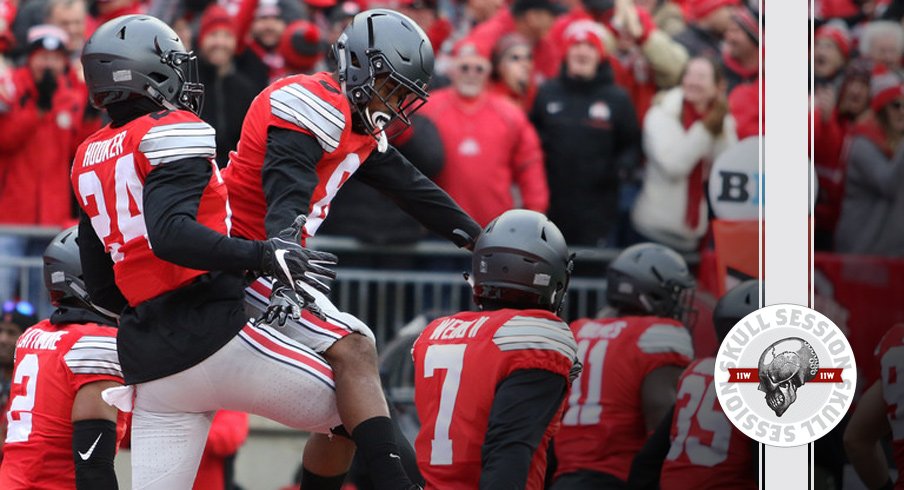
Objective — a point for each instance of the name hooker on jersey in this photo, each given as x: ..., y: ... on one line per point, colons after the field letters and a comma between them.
x: 785, y: 375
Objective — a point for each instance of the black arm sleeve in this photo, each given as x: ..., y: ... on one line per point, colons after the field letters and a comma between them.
x: 647, y: 463
x: 289, y: 176
x: 97, y: 269
x: 172, y: 194
x: 393, y: 175
x: 524, y: 405
x: 93, y: 450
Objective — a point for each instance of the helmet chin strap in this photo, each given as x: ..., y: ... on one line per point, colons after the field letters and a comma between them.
x: 379, y: 120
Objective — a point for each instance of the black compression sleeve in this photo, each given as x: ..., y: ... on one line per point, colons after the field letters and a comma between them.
x: 93, y: 450
x: 97, y: 269
x: 172, y: 194
x: 393, y: 175
x: 648, y: 462
x: 289, y: 176
x: 524, y: 405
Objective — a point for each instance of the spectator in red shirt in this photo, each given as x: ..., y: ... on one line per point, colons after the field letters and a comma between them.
x: 532, y: 19
x: 227, y: 434
x: 513, y: 70
x: 40, y: 118
x: 468, y: 14
x: 742, y: 69
x: 490, y: 146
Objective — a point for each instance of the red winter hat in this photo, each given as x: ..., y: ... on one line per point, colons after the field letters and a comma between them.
x: 301, y: 45
x: 585, y: 31
x: 698, y: 9
x: 467, y: 47
x: 838, y: 34
x: 885, y: 87
x: 213, y: 18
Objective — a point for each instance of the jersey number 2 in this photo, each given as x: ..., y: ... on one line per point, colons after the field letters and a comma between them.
x: 128, y: 189
x: 19, y: 415
x: 448, y: 357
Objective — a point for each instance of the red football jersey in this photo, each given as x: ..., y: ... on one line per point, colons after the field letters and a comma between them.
x: 891, y: 358
x: 52, y: 363
x: 459, y: 361
x: 311, y: 104
x: 707, y: 452
x: 108, y: 176
x: 603, y: 427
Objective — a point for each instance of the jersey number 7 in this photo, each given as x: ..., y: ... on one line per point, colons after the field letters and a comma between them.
x: 450, y: 358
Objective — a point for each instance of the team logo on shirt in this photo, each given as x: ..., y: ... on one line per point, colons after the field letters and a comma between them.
x: 785, y: 375
x: 600, y: 111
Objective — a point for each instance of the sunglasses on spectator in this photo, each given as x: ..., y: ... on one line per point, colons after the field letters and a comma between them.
x: 478, y: 69
x: 21, y: 307
x: 897, y: 105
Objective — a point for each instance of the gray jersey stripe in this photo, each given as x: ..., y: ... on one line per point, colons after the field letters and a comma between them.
x: 296, y: 103
x: 94, y: 364
x: 93, y: 345
x: 326, y: 141
x: 182, y: 125
x: 177, y: 142
x: 180, y: 132
x: 536, y: 346
x: 296, y: 112
x: 300, y: 91
x: 545, y: 332
x: 302, y: 105
x: 166, y: 156
x: 567, y: 348
x: 96, y: 338
x: 97, y: 370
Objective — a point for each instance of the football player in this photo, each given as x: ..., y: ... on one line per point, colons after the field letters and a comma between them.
x: 302, y: 138
x: 154, y: 246
x: 695, y: 444
x: 880, y: 413
x: 61, y: 434
x: 631, y: 366
x: 489, y: 384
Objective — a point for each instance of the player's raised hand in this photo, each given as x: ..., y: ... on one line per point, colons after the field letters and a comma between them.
x: 287, y: 261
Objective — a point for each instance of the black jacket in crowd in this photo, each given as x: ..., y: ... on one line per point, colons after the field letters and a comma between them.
x: 591, y: 140
x: 226, y: 100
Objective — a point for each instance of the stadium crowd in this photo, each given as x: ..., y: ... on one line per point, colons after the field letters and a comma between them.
x: 605, y: 115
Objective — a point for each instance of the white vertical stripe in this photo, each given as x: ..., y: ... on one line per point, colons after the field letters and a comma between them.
x: 785, y: 171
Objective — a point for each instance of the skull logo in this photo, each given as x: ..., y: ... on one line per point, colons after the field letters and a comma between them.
x: 784, y: 367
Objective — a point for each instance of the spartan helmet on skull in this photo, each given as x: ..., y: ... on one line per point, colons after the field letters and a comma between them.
x: 784, y: 367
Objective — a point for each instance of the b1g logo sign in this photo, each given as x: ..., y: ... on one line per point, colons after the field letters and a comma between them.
x: 734, y: 182
x: 785, y: 375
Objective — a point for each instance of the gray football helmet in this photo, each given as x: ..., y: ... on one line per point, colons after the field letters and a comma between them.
x: 383, y: 54
x: 63, y: 270
x: 737, y: 303
x: 521, y: 258
x: 140, y: 56
x: 651, y: 279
